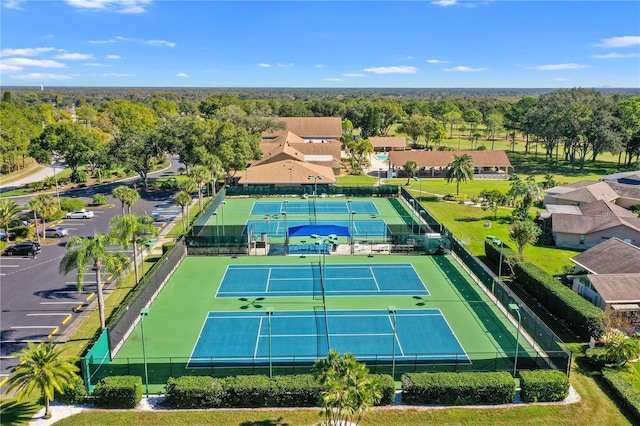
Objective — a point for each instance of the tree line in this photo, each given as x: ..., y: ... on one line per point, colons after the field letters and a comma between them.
x: 223, y: 132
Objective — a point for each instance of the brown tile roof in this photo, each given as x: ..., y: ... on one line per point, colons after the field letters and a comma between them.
x: 626, y: 191
x: 326, y: 148
x: 582, y: 224
x: 609, y: 257
x: 273, y: 152
x: 617, y: 288
x: 585, y: 191
x: 326, y: 128
x: 444, y: 158
x: 602, y: 207
x: 388, y: 141
x: 279, y: 173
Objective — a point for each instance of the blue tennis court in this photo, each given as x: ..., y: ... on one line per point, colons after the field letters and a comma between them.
x: 321, y: 207
x: 234, y: 338
x: 304, y: 280
x: 275, y: 227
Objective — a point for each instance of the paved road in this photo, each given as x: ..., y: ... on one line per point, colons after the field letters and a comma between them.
x: 38, y: 175
x: 37, y: 303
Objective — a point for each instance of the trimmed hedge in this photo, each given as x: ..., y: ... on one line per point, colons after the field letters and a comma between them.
x: 543, y: 386
x: 74, y: 393
x: 597, y: 357
x: 168, y: 246
x: 458, y: 388
x: 387, y: 388
x: 300, y: 390
x: 194, y: 392
x: 71, y: 204
x: 118, y: 392
x: 579, y: 314
x: 629, y: 396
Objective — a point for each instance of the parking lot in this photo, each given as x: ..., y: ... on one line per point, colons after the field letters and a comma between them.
x: 38, y: 303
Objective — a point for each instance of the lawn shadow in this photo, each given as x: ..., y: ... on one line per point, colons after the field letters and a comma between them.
x: 13, y: 412
x: 276, y: 422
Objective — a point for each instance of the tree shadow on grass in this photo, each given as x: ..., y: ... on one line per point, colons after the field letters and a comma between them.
x: 276, y: 422
x: 13, y: 412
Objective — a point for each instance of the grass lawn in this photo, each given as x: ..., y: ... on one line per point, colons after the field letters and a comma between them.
x: 356, y: 180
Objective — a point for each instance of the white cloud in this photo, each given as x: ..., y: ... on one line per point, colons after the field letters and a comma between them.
x: 333, y: 79
x: 625, y: 41
x: 39, y: 76
x: 118, y: 6
x: 462, y: 68
x: 561, y: 79
x: 161, y: 43
x: 557, y: 67
x: 392, y: 70
x: 354, y: 74
x: 436, y: 61
x: 113, y: 57
x: 102, y: 41
x: 181, y: 74
x: 74, y: 56
x: 13, y: 4
x: 616, y: 55
x: 26, y: 62
x: 445, y: 3
x: 96, y: 64
x: 285, y: 65
x: 7, y: 68
x: 29, y: 51
x: 265, y: 65
x: 117, y: 74
x: 318, y: 66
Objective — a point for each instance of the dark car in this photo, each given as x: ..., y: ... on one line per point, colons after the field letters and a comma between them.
x: 26, y: 248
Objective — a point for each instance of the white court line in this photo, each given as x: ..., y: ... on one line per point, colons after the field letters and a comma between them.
x: 8, y: 266
x: 255, y: 351
x: 373, y: 275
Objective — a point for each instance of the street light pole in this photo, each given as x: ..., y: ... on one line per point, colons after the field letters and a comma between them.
x: 315, y: 195
x: 55, y: 177
x: 514, y: 307
x: 216, y: 215
x: 143, y: 313
x: 290, y: 176
x: 379, y: 175
x: 222, y: 210
x: 392, y: 310
x: 413, y: 206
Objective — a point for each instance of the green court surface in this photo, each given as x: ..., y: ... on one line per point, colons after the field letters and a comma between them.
x: 179, y: 314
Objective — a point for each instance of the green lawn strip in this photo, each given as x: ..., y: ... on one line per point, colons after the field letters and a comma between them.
x: 356, y: 180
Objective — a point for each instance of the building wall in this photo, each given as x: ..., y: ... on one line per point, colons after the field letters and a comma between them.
x: 624, y: 233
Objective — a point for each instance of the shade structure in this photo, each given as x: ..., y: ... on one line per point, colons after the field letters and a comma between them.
x: 308, y: 230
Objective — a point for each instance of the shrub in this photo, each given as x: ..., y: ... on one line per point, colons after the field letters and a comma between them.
x: 194, y: 392
x: 543, y: 386
x: 168, y: 246
x: 624, y: 389
x: 79, y: 176
x: 57, y: 215
x: 248, y: 391
x: 171, y: 183
x: 36, y: 186
x: 74, y: 392
x: 63, y: 181
x: 597, y: 357
x: 387, y: 388
x: 118, y: 392
x: 100, y: 200
x: 458, y: 388
x: 455, y: 197
x: 300, y: 390
x: 23, y: 232
x: 71, y: 204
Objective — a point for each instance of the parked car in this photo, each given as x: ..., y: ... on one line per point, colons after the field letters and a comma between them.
x: 80, y: 214
x: 55, y: 231
x: 25, y: 248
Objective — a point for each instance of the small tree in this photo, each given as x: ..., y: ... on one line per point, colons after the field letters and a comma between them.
x: 183, y: 199
x: 199, y: 174
x: 43, y: 205
x: 189, y: 186
x: 492, y: 199
x: 349, y: 390
x: 524, y: 232
x: 410, y: 168
x: 127, y: 196
x: 8, y: 211
x: 460, y: 170
x: 128, y: 229
x: 42, y: 368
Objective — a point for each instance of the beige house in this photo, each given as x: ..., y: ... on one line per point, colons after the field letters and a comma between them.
x: 309, y: 129
x: 287, y: 172
x: 608, y: 275
x: 582, y: 192
x: 587, y: 225
x: 487, y: 164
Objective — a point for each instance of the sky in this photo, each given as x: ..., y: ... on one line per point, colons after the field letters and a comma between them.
x: 320, y: 44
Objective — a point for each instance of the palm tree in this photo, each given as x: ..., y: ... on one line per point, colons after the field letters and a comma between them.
x: 8, y: 210
x: 189, y: 186
x: 128, y: 229
x: 460, y: 170
x: 183, y: 199
x: 213, y: 164
x: 410, y: 168
x: 199, y: 174
x: 44, y: 205
x: 622, y: 349
x: 528, y: 192
x: 127, y: 196
x: 348, y: 389
x: 85, y: 252
x: 42, y: 368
